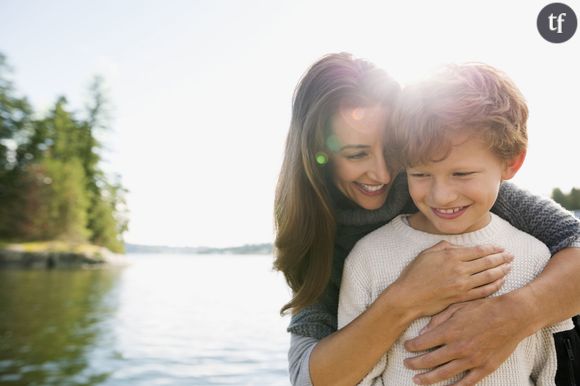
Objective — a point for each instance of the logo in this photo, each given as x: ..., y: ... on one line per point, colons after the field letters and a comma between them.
x: 557, y: 23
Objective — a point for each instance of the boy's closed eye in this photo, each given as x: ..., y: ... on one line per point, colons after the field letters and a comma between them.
x: 464, y: 174
x: 417, y: 174
x: 454, y: 174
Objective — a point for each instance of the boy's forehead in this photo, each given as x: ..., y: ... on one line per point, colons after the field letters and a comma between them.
x: 461, y: 137
x: 460, y: 148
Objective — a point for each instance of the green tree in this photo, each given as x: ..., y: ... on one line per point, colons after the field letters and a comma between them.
x: 68, y: 201
x: 28, y: 216
x: 570, y: 201
x: 15, y: 116
x: 64, y: 132
x: 15, y: 125
x: 53, y: 149
x: 53, y: 201
x: 560, y: 197
x: 574, y: 199
x: 110, y: 216
x: 51, y: 181
x: 107, y: 219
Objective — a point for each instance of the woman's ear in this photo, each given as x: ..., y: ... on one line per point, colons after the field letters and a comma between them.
x: 512, y: 166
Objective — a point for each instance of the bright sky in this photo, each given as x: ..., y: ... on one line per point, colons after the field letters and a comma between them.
x: 202, y: 89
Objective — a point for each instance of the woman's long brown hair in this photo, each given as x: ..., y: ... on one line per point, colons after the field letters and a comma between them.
x: 304, y: 215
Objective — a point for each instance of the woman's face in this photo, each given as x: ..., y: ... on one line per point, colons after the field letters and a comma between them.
x: 359, y: 167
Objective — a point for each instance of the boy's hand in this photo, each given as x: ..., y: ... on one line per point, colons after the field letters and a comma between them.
x: 475, y: 337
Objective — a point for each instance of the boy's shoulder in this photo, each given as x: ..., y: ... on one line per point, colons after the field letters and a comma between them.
x: 389, y: 237
x: 507, y: 233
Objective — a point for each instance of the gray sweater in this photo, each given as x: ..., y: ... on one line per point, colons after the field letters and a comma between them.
x: 540, y: 217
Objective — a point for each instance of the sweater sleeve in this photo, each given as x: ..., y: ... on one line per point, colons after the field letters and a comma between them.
x: 299, y: 359
x: 314, y: 321
x: 540, y: 217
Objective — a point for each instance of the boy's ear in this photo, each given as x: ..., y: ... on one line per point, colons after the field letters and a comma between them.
x: 512, y: 166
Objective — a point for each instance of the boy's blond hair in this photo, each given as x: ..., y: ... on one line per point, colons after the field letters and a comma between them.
x: 471, y: 97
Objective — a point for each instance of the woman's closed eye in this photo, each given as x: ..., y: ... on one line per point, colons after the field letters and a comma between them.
x: 358, y: 155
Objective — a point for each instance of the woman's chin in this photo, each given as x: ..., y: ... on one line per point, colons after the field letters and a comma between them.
x: 372, y: 204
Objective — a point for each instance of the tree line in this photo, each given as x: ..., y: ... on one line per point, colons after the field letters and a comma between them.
x: 570, y: 201
x: 52, y: 185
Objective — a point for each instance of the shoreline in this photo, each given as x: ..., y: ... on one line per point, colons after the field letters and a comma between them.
x: 55, y: 254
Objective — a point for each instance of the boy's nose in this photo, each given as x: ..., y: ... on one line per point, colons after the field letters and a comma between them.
x: 442, y: 194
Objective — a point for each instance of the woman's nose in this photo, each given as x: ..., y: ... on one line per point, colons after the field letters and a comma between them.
x: 379, y: 171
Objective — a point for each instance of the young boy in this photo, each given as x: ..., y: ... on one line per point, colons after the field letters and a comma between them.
x: 458, y: 135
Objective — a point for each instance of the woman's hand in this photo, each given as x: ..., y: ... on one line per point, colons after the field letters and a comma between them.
x: 445, y: 274
x: 476, y: 336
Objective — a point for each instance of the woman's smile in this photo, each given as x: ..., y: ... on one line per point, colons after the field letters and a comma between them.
x: 371, y: 190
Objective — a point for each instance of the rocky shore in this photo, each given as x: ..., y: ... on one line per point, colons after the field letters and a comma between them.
x: 56, y: 255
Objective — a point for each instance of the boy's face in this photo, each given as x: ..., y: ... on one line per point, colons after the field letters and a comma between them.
x: 455, y: 195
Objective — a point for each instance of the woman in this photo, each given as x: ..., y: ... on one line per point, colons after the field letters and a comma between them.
x: 335, y: 187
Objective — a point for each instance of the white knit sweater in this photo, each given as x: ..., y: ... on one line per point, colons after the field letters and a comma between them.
x: 378, y: 259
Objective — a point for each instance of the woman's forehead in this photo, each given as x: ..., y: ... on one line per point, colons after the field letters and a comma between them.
x: 356, y: 121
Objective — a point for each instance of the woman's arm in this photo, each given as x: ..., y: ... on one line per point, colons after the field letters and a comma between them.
x: 351, y: 346
x: 538, y: 216
x: 344, y: 357
x: 478, y: 336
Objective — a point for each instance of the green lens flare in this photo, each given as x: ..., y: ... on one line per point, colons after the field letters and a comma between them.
x: 333, y: 143
x: 321, y: 158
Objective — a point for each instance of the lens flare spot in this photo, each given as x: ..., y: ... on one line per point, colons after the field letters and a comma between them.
x: 321, y: 158
x: 333, y: 143
x: 358, y: 114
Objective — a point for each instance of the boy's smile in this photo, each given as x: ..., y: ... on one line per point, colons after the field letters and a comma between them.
x: 454, y: 195
x: 450, y: 213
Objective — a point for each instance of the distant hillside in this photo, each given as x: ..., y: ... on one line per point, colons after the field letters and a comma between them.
x: 248, y: 249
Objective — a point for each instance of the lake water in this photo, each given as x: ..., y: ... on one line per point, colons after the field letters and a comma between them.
x: 162, y: 320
